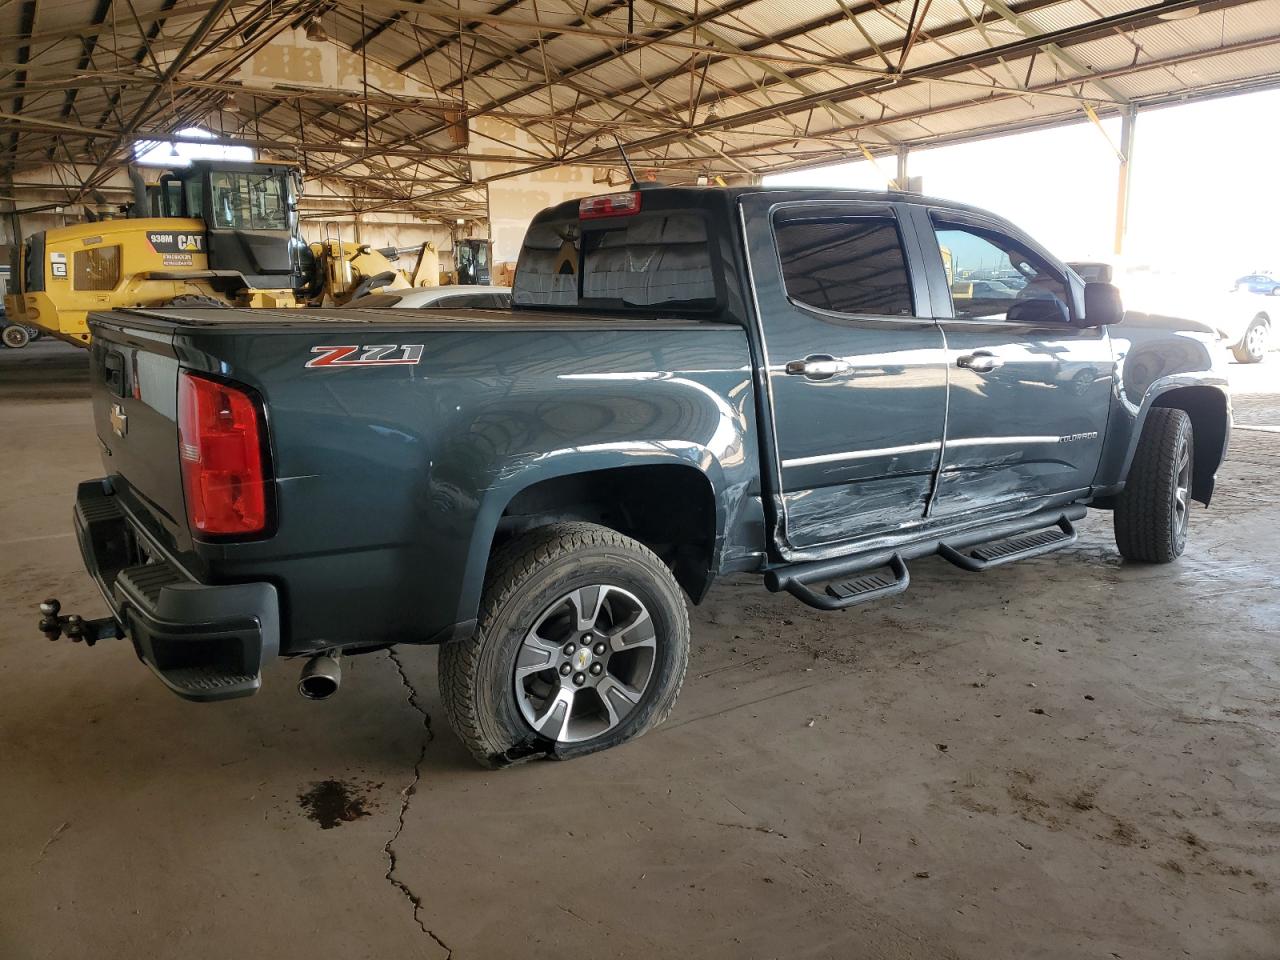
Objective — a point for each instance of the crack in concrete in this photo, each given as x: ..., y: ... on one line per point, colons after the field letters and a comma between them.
x: 51, y: 841
x: 405, y: 795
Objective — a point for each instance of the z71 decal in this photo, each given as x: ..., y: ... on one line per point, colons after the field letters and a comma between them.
x: 382, y: 354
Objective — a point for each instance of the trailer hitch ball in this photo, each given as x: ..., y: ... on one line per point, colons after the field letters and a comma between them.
x: 75, y: 627
x: 50, y: 625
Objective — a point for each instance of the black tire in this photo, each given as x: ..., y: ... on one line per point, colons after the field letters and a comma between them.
x: 15, y: 337
x: 527, y: 578
x: 1150, y: 525
x: 1252, y: 347
x: 198, y: 301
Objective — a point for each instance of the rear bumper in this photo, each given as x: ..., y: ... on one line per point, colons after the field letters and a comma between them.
x: 204, y: 642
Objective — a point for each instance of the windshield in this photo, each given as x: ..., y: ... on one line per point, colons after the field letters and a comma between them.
x: 249, y: 201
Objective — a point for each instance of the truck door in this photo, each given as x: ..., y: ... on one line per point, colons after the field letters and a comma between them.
x: 855, y: 365
x: 1029, y: 391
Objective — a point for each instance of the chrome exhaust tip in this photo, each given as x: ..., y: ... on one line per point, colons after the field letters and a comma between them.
x: 320, y: 677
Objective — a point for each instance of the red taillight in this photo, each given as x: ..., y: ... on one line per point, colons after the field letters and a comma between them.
x: 613, y: 205
x: 220, y: 445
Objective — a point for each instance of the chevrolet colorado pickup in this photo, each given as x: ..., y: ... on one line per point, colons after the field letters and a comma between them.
x: 811, y: 386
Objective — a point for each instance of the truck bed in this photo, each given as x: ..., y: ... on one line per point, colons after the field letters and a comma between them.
x: 389, y: 475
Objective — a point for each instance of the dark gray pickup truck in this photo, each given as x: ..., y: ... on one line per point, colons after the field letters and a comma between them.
x: 817, y: 387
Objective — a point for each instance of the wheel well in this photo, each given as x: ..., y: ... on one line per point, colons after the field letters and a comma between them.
x: 1207, y: 408
x: 668, y: 508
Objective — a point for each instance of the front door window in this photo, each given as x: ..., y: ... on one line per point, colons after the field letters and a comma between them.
x: 987, y: 273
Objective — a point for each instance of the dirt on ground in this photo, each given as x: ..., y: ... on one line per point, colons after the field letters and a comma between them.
x: 1068, y: 757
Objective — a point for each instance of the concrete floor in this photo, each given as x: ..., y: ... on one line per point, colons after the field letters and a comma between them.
x: 1071, y: 757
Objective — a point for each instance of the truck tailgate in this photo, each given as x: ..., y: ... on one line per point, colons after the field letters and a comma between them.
x: 134, y: 386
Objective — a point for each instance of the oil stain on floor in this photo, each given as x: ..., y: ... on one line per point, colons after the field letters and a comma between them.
x: 332, y: 803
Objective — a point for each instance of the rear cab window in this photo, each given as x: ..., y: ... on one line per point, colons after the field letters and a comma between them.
x: 654, y: 260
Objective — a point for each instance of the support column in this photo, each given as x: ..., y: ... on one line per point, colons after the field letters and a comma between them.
x: 1128, y: 121
x: 902, y: 168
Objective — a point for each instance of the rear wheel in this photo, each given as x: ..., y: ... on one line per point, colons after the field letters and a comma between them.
x: 1252, y: 347
x: 15, y: 337
x: 1153, y: 511
x: 581, y: 644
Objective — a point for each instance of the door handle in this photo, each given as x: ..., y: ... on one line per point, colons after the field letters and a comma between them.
x: 980, y: 361
x: 818, y: 366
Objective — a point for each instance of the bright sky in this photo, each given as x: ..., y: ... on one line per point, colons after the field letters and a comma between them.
x: 1205, y: 189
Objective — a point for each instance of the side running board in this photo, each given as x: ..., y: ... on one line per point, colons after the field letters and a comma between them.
x: 874, y: 585
x: 862, y: 577
x: 984, y: 556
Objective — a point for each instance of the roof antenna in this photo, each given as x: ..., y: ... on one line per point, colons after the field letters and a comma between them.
x: 635, y: 182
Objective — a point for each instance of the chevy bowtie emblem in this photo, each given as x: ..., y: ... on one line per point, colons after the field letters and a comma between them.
x: 119, y: 422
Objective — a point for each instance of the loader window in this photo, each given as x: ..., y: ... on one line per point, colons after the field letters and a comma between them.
x: 248, y: 201
x: 195, y: 197
x: 97, y: 269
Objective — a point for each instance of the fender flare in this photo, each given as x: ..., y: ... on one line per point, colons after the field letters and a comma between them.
x: 1204, y: 469
x: 518, y: 475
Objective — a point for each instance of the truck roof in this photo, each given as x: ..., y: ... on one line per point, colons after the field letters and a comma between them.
x: 726, y: 196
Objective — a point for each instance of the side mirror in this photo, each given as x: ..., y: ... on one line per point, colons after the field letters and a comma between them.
x: 1102, y: 305
x: 1038, y: 310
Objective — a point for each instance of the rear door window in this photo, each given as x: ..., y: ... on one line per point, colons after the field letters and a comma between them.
x: 844, y: 264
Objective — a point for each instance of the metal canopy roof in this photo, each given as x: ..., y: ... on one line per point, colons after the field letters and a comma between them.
x: 729, y: 88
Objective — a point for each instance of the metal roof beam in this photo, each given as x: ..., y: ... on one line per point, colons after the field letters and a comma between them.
x: 1128, y: 70
x: 810, y: 67
x: 1052, y: 49
x: 1080, y: 33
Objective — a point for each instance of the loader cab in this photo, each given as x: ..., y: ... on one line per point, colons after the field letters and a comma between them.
x: 471, y: 261
x: 250, y: 211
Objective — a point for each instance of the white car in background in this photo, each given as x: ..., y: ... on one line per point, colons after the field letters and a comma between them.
x: 1248, y: 330
x: 1243, y: 321
x: 459, y: 296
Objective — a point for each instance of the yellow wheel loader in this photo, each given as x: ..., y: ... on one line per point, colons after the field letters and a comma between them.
x: 222, y: 234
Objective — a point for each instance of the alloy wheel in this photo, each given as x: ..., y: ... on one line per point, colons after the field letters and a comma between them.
x: 585, y: 664
x: 1182, y: 491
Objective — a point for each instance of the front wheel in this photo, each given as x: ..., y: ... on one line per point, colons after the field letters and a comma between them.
x: 581, y: 644
x: 1153, y: 511
x: 15, y: 337
x: 1252, y: 347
